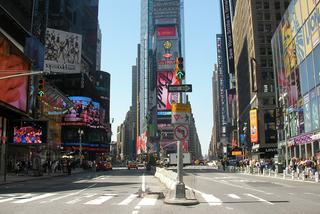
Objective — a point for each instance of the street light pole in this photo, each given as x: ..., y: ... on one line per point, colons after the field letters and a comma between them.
x: 80, y: 132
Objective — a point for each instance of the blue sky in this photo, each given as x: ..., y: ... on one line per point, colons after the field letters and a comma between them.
x: 120, y: 25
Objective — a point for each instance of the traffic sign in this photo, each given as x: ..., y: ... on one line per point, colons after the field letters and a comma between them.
x: 181, y: 132
x: 181, y: 107
x: 180, y: 88
x: 180, y: 118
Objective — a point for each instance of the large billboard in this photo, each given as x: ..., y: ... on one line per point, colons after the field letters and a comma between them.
x: 254, y: 126
x: 167, y: 47
x: 62, y: 51
x: 84, y: 112
x: 29, y: 132
x: 165, y: 98
x: 13, y: 91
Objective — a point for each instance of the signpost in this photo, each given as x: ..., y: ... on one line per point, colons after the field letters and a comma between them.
x: 180, y: 88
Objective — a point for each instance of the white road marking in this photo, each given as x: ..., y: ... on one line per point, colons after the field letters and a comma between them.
x: 234, y: 196
x: 74, y: 201
x: 259, y: 199
x: 148, y: 201
x: 135, y: 212
x: 64, y: 196
x: 229, y: 208
x: 99, y: 200
x: 5, y: 200
x: 137, y: 207
x: 143, y: 185
x: 34, y: 198
x: 290, y: 193
x: 211, y: 199
x: 128, y: 199
x: 89, y: 195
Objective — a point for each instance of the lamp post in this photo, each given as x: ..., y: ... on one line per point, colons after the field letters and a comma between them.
x: 80, y: 132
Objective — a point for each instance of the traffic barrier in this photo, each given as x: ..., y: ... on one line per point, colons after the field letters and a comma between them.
x: 316, y: 176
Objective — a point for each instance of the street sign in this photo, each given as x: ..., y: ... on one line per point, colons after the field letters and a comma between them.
x: 181, y: 132
x: 180, y: 88
x: 180, y: 118
x: 181, y: 107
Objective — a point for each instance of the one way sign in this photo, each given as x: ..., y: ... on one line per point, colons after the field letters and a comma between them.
x: 180, y: 88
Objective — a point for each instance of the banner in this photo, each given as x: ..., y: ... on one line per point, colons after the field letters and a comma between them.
x: 62, y: 51
x: 254, y: 126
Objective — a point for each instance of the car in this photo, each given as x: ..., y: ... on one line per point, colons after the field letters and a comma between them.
x: 104, y: 165
x: 132, y: 165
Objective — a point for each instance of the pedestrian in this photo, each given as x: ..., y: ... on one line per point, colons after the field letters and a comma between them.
x: 17, y: 167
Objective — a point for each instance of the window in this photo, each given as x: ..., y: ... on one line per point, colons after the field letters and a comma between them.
x: 261, y: 38
x: 316, y: 57
x: 259, y: 16
x: 267, y: 28
x: 260, y: 27
x: 258, y: 5
x: 310, y: 72
x: 278, y: 16
x: 303, y: 78
x: 263, y: 51
x: 267, y: 16
x: 277, y: 5
x: 265, y: 88
x: 270, y: 63
x: 266, y: 5
x: 263, y: 63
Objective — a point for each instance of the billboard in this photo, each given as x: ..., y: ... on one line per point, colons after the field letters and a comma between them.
x: 167, y: 51
x: 254, y: 126
x: 62, y: 51
x: 84, y: 112
x: 166, y: 31
x: 165, y: 98
x: 12, y: 61
x: 29, y: 132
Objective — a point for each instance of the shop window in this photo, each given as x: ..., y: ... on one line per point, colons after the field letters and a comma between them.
x: 316, y: 147
x: 297, y: 151
x: 309, y: 151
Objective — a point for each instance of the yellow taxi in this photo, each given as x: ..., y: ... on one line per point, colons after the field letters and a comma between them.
x: 132, y: 165
x: 104, y: 165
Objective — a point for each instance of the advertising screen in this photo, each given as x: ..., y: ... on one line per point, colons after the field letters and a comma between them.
x: 254, y: 125
x: 29, y: 132
x: 84, y: 112
x: 166, y: 31
x: 13, y: 90
x: 62, y: 51
x: 166, y: 54
x: 164, y: 98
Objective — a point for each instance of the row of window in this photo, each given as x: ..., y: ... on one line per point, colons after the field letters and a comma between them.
x: 265, y: 4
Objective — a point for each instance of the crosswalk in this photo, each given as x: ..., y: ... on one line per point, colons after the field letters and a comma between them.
x: 95, y: 199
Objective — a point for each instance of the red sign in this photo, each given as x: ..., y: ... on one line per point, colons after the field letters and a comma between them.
x: 166, y: 31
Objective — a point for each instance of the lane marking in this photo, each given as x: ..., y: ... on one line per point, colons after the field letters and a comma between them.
x: 143, y: 185
x: 5, y: 200
x: 135, y: 212
x: 229, y: 208
x: 259, y: 199
x: 99, y: 200
x: 74, y: 201
x: 148, y: 201
x: 128, y: 200
x: 234, y: 196
x: 34, y: 198
x: 137, y: 207
x: 211, y: 199
x: 55, y: 199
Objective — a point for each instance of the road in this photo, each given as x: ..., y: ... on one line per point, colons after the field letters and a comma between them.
x: 137, y: 192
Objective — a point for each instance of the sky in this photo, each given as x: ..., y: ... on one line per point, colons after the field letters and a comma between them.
x: 120, y: 25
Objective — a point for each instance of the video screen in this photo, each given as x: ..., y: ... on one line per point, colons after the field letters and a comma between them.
x: 84, y: 112
x: 29, y: 132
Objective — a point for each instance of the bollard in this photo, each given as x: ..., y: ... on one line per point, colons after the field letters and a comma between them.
x: 316, y: 176
x: 292, y: 175
x: 269, y: 172
x: 275, y: 173
x: 284, y: 174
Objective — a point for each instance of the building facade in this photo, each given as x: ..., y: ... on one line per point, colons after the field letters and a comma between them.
x: 254, y: 23
x: 296, y: 52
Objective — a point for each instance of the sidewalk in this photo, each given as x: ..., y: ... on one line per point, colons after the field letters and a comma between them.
x: 12, y: 178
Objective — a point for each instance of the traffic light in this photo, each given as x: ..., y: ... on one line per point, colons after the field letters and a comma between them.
x: 41, y: 87
x: 180, y: 73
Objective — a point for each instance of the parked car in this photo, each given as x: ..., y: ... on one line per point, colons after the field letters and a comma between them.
x: 132, y: 165
x: 104, y: 165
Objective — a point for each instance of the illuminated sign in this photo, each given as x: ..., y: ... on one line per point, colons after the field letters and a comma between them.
x: 254, y: 126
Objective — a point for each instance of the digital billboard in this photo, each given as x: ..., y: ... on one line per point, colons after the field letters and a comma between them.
x: 62, y: 51
x: 166, y: 31
x: 12, y: 61
x: 165, y: 98
x: 29, y: 132
x: 84, y: 112
x: 254, y: 126
x: 166, y: 54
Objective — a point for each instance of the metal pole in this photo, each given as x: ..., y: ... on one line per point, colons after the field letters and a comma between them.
x: 180, y: 163
x: 80, y: 148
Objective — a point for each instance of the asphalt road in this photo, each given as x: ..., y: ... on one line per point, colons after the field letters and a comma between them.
x: 137, y: 192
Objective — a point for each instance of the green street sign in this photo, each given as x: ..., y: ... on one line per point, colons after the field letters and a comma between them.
x: 180, y: 74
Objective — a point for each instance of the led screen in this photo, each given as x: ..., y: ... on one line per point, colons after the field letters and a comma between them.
x: 29, y: 132
x: 84, y: 112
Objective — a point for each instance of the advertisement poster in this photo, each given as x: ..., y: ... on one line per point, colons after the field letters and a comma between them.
x: 84, y: 112
x: 254, y: 126
x: 62, y: 51
x: 166, y: 54
x: 164, y: 98
x: 12, y: 61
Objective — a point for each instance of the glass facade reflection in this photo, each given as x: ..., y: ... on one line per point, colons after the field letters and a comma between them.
x: 296, y: 54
